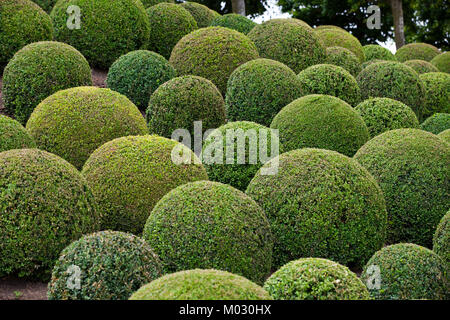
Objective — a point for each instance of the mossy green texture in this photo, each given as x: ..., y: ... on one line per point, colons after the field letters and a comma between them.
x: 321, y: 204
x: 129, y: 175
x: 72, y: 123
x: 315, y: 279
x: 411, y: 167
x: 441, y: 239
x: 207, y: 224
x: 111, y: 266
x: 13, y: 135
x: 445, y: 135
x: 330, y: 80
x: 417, y: 51
x: 259, y: 89
x: 327, y: 26
x: 138, y: 74
x: 201, y: 285
x: 377, y: 52
x: 321, y: 121
x: 179, y: 102
x: 201, y: 13
x: 370, y: 62
x: 234, y: 21
x: 335, y: 37
x: 107, y: 30
x: 37, y: 71
x: 288, y: 41
x: 442, y: 62
x: 406, y: 272
x: 421, y: 66
x: 437, y: 93
x: 212, y: 53
x: 437, y: 123
x: 46, y: 5
x: 384, y: 114
x: 344, y: 58
x: 149, y: 3
x: 45, y: 205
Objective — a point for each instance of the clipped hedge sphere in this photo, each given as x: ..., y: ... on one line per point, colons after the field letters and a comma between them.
x: 201, y: 285
x: 411, y: 167
x: 414, y: 51
x: 370, y: 62
x: 201, y: 13
x: 13, y: 135
x: 315, y: 279
x: 234, y: 21
x: 437, y: 123
x: 211, y: 225
x: 45, y: 205
x: 377, y: 52
x: 212, y: 53
x: 441, y: 239
x: 407, y: 271
x: 445, y: 135
x: 149, y: 3
x: 46, y: 5
x: 321, y: 121
x: 72, y: 123
x: 321, y: 204
x: 138, y: 74
x: 129, y: 175
x: 336, y: 37
x: 421, y: 66
x: 343, y: 58
x: 37, y: 71
x: 442, y: 62
x: 327, y: 26
x: 111, y: 265
x: 437, y: 93
x: 259, y: 89
x: 107, y: 29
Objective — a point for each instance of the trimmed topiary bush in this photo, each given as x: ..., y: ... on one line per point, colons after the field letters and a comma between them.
x: 138, y: 74
x: 179, y: 102
x: 46, y: 5
x: 406, y: 271
x: 45, y: 205
x: 72, y: 123
x: 202, y: 14
x: 111, y: 265
x: 39, y: 70
x: 129, y: 175
x: 442, y: 62
x: 441, y: 239
x: 414, y: 51
x: 411, y: 167
x: 384, y: 114
x: 211, y: 225
x: 327, y: 26
x: 321, y: 204
x: 234, y: 21
x: 370, y: 62
x: 331, y: 80
x: 437, y: 123
x: 212, y: 53
x: 445, y: 135
x: 321, y: 121
x: 315, y: 279
x: 437, y: 93
x: 13, y: 135
x: 377, y: 52
x: 335, y: 37
x: 288, y: 41
x: 149, y: 3
x: 343, y: 58
x: 107, y: 30
x: 259, y: 89
x: 201, y: 285
x: 421, y: 66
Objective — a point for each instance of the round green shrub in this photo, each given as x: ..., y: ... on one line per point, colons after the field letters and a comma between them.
x: 445, y: 135
x: 437, y: 93
x: 107, y: 30
x: 406, y: 271
x: 211, y: 225
x: 13, y: 135
x: 212, y: 53
x: 370, y: 62
x: 138, y: 74
x: 321, y: 121
x: 327, y: 26
x: 384, y: 114
x: 112, y: 265
x: 442, y: 62
x: 46, y: 5
x: 377, y: 52
x: 343, y: 58
x: 45, y: 204
x: 315, y: 279
x: 129, y: 175
x: 22, y: 23
x: 437, y: 123
x: 330, y: 80
x: 321, y: 204
x: 39, y: 70
x: 421, y: 66
x: 149, y: 3
x: 393, y: 80
x: 289, y: 42
x: 417, y: 51
x: 201, y: 285
x: 411, y: 167
x: 336, y: 37
x: 259, y: 89
x: 441, y: 239
x: 202, y: 14
x: 72, y: 123
x: 234, y: 21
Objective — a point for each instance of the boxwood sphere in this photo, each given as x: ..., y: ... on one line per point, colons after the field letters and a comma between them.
x: 149, y: 3
x: 138, y: 74
x: 179, y: 102
x: 45, y: 205
x: 441, y: 239
x: 407, y: 271
x: 437, y: 93
x: 37, y: 71
x: 384, y: 114
x: 375, y: 51
x: 212, y: 53
x: 437, y: 123
x: 442, y: 62
x: 234, y: 21
x: 321, y: 204
x: 107, y: 30
x: 259, y: 89
x: 445, y: 135
x: 370, y: 62
x: 335, y: 37
x: 129, y: 175
x: 208, y: 224
x: 72, y: 123
x: 321, y: 121
x: 201, y: 285
x: 411, y: 167
x: 111, y: 264
x: 315, y: 279
x: 201, y: 13
x: 421, y: 66
x: 343, y: 58
x: 13, y: 135
x: 331, y: 80
x: 421, y: 51
x: 327, y: 26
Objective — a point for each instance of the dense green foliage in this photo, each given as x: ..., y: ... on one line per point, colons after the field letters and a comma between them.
x: 234, y: 21
x: 442, y: 62
x: 201, y: 13
x: 421, y: 66
x: 441, y: 239
x: 13, y: 135
x: 437, y: 93
x: 445, y: 135
x: 149, y: 3
x: 335, y: 37
x: 437, y: 123
x: 417, y: 51
x: 46, y: 5
x: 377, y: 52
x: 344, y: 58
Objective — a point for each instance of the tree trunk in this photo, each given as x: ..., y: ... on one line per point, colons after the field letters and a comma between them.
x: 238, y: 6
x: 399, y: 25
